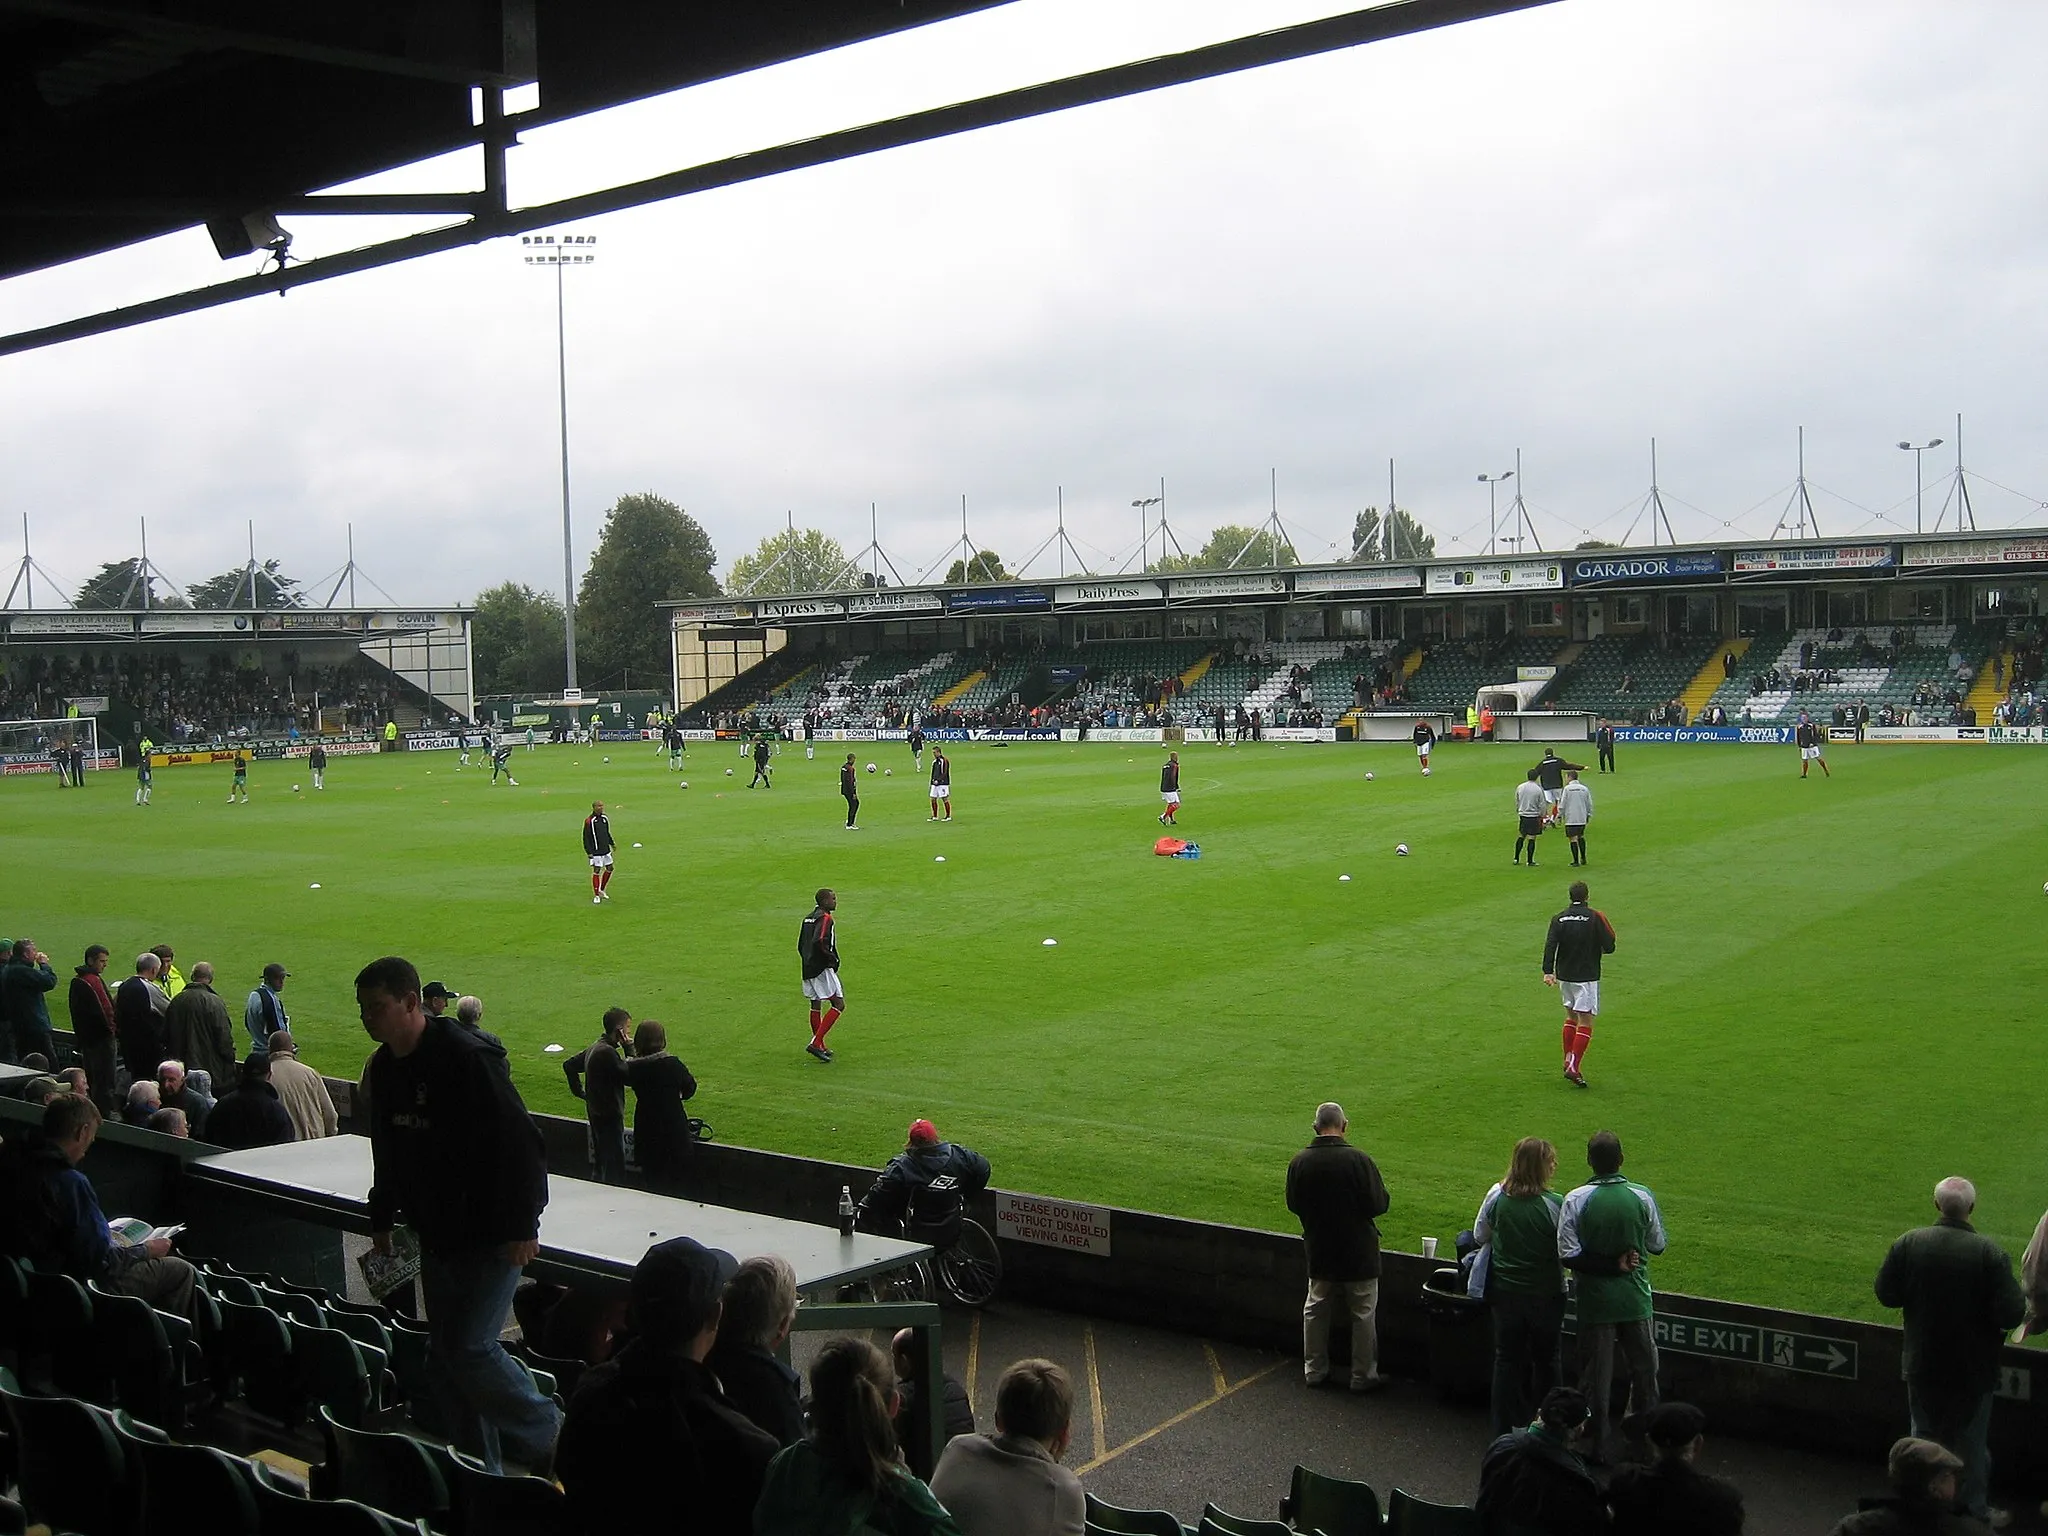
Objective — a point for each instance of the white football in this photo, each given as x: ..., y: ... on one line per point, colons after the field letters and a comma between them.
x: 728, y: 773
x: 295, y: 789
x: 871, y: 767
x: 1425, y: 773
x: 888, y: 773
x: 1368, y: 776
x: 685, y: 784
x: 1401, y: 849
x: 607, y: 759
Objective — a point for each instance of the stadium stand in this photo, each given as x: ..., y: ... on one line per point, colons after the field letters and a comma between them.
x: 1920, y: 673
x: 1453, y: 671
x: 1624, y: 677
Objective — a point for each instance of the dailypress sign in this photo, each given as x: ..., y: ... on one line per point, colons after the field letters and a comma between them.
x: 1053, y: 1223
x: 1109, y: 592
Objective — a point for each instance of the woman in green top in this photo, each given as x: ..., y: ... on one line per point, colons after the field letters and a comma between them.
x: 1524, y: 1282
x: 848, y: 1479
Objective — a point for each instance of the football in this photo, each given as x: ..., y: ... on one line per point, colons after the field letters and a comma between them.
x: 685, y: 784
x: 1401, y: 849
x: 1368, y: 777
x: 728, y: 773
x: 295, y: 789
x: 607, y: 759
x: 1425, y: 773
x: 871, y: 767
x: 888, y: 773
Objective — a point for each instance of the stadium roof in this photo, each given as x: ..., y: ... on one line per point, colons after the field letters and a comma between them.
x: 1927, y: 557
x: 123, y: 120
x: 38, y: 625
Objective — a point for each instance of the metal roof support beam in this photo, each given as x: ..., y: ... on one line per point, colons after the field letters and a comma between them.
x: 1399, y: 19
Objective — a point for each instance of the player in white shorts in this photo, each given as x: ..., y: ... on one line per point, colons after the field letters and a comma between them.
x: 942, y: 783
x: 1579, y: 937
x: 1425, y: 738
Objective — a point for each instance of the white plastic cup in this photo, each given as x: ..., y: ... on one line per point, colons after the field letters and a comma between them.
x: 1429, y: 1247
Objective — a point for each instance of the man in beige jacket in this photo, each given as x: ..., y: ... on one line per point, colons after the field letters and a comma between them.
x: 305, y: 1096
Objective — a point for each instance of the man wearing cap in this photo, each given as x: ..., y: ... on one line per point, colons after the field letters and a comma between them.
x: 1960, y: 1300
x: 1336, y: 1191
x: 265, y: 1016
x: 302, y: 1090
x: 597, y: 1076
x: 1532, y: 1483
x: 926, y: 1187
x: 435, y: 998
x: 1671, y: 1496
x: 1923, y: 1497
x: 652, y: 1444
x: 456, y: 1157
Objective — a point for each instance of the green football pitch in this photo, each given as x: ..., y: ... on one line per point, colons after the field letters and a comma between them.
x: 1824, y: 997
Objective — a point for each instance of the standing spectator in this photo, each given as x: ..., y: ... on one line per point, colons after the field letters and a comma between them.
x: 1603, y: 745
x: 92, y: 1024
x: 1013, y: 1484
x: 251, y: 1114
x: 1671, y: 1496
x: 1606, y: 1232
x: 167, y: 976
x: 597, y: 1076
x: 1923, y: 1497
x: 660, y: 1401
x: 458, y: 1158
x: 849, y: 791
x: 25, y: 982
x: 1524, y: 1282
x: 435, y: 998
x: 1337, y: 1192
x: 265, y: 1016
x: 1960, y: 1298
x: 1531, y: 1482
x: 197, y: 1028
x: 469, y: 1015
x: 849, y: 1476
x: 760, y: 1309
x: 908, y: 1358
x: 137, y: 1028
x: 661, y: 1125
x: 302, y: 1091
x: 176, y: 1090
x: 51, y: 1218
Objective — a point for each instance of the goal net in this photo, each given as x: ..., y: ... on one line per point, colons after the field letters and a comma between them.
x: 28, y: 746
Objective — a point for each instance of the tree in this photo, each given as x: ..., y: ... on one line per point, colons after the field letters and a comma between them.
x: 230, y: 589
x: 515, y: 641
x: 649, y: 551
x: 1596, y: 544
x: 1407, y: 539
x: 794, y: 560
x: 115, y: 586
x: 1365, y: 537
x: 1248, y: 548
x: 985, y: 566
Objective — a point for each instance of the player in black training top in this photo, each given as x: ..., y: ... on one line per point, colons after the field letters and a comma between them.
x: 849, y: 788
x: 916, y: 747
x: 1425, y: 738
x: 597, y: 847
x: 761, y: 752
x: 1578, y: 937
x: 1809, y: 738
x: 942, y: 784
x: 1169, y: 789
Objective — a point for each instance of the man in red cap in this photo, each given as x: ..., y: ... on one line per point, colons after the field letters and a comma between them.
x: 926, y: 1188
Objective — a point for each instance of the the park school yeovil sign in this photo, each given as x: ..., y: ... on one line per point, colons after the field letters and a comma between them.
x: 1053, y: 1223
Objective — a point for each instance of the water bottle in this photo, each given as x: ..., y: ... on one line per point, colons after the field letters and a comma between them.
x: 846, y: 1210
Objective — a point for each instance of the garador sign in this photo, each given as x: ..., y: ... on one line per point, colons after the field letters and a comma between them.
x: 1645, y: 568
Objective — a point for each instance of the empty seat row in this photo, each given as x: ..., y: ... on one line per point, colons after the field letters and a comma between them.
x: 1329, y: 1506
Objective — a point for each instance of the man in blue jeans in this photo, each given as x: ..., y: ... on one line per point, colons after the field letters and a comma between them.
x: 458, y: 1159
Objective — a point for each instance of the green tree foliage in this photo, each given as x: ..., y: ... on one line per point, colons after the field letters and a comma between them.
x: 110, y: 588
x: 1377, y: 538
x: 794, y: 560
x: 515, y: 641
x: 1246, y: 548
x: 987, y: 565
x: 1365, y: 537
x: 649, y: 551
x: 230, y: 589
x: 1596, y: 544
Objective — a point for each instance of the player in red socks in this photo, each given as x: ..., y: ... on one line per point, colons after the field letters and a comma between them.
x: 817, y: 946
x: 1578, y: 937
x: 1169, y: 790
x: 597, y: 845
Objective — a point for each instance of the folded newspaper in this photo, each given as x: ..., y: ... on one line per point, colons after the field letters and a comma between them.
x: 384, y: 1273
x: 133, y: 1231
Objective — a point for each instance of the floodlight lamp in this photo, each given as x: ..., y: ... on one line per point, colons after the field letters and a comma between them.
x: 1934, y: 442
x: 1907, y: 446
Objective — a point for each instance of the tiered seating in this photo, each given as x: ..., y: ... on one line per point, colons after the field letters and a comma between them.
x: 1332, y: 1506
x: 1657, y: 674
x: 1451, y: 676
x: 1003, y: 679
x: 1925, y: 658
x: 1110, y: 662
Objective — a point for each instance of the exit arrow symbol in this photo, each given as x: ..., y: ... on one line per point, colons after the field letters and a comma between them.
x: 1834, y: 1358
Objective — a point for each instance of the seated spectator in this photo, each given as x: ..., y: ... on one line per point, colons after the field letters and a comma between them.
x: 760, y: 1306
x: 169, y: 1122
x: 913, y: 1426
x: 1670, y: 1497
x: 35, y: 1061
x: 1923, y: 1497
x: 73, y: 1080
x: 175, y: 1090
x: 51, y: 1219
x: 144, y: 1099
x: 1013, y: 1484
x: 1531, y: 1482
x: 252, y: 1115
x: 849, y: 1476
x: 40, y: 1090
x: 651, y: 1444
x: 302, y: 1091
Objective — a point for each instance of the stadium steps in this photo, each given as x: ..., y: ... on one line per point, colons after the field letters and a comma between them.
x: 1198, y: 671
x: 1411, y: 663
x: 790, y: 682
x: 1568, y: 655
x: 1707, y: 681
x: 960, y: 689
x: 1984, y: 695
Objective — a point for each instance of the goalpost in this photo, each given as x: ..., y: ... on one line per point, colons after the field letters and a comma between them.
x: 26, y: 745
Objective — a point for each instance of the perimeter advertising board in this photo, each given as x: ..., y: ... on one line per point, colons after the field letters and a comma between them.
x: 1587, y: 573
x: 1243, y: 584
x: 880, y: 604
x: 1495, y: 576
x: 1801, y: 560
x: 193, y: 623
x: 71, y: 624
x: 1777, y: 735
x: 800, y: 608
x: 1109, y: 592
x: 997, y: 599
x: 1978, y: 552
x: 1365, y: 578
x: 1053, y: 1223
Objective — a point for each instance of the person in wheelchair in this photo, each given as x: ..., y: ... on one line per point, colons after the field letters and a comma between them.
x: 924, y: 1191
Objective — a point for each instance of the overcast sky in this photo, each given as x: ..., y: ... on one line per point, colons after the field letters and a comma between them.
x: 1708, y: 221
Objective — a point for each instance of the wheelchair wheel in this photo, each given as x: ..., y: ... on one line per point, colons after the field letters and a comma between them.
x: 910, y: 1283
x: 971, y: 1270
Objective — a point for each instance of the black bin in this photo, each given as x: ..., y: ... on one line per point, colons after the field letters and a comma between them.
x: 1460, y: 1339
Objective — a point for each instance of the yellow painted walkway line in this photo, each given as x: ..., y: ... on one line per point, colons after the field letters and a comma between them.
x: 959, y: 689
x: 1222, y: 1391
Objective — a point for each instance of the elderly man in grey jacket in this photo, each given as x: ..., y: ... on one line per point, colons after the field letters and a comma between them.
x: 304, y: 1094
x: 1012, y: 1483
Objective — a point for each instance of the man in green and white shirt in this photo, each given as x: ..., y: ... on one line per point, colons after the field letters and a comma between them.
x: 1606, y: 1234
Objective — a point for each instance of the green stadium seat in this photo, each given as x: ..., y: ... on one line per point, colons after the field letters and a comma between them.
x: 259, y: 1355
x: 1333, y: 1505
x: 13, y: 1303
x: 60, y: 1325
x: 187, y: 1490
x: 281, y: 1511
x: 1217, y: 1522
x: 294, y: 1306
x: 73, y: 1472
x: 390, y: 1472
x: 333, y: 1371
x: 158, y: 1371
x: 486, y: 1502
x: 1131, y: 1522
x: 1410, y: 1516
